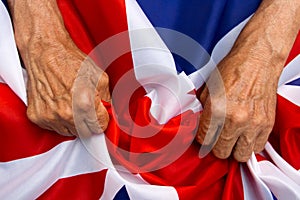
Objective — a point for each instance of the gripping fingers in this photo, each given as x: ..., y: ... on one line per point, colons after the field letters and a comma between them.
x: 244, y: 147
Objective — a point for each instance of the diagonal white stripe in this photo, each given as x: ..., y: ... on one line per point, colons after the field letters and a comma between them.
x: 290, y: 72
x: 291, y: 93
x: 136, y: 187
x: 155, y: 68
x: 221, y: 49
x: 30, y: 177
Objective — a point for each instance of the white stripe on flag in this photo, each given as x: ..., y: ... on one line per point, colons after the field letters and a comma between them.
x: 278, y: 177
x: 136, y: 187
x: 10, y: 67
x: 291, y: 93
x: 155, y: 68
x: 221, y: 49
x: 290, y: 72
x: 30, y: 177
x: 253, y: 186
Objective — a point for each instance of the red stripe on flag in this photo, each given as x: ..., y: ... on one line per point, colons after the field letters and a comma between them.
x: 286, y: 134
x: 286, y: 131
x: 19, y: 137
x: 190, y: 175
x: 196, y: 178
x: 83, y: 187
x: 295, y: 51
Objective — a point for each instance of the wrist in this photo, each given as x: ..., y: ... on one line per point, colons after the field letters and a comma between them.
x: 37, y: 21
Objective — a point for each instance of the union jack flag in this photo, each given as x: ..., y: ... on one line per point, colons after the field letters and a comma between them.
x: 157, y: 54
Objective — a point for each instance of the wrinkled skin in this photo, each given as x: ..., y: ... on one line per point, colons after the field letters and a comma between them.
x: 51, y: 96
x: 249, y: 75
x: 53, y: 62
x: 243, y: 90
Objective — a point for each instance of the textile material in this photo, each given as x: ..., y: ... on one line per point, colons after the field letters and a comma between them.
x: 5, y: 3
x: 41, y: 164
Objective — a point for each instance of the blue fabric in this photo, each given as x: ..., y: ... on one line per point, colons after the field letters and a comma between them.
x: 122, y: 194
x: 5, y: 3
x: 206, y: 21
x: 294, y: 82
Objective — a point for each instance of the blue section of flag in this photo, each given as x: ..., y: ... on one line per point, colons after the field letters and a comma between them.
x: 274, y: 198
x: 294, y: 82
x: 122, y: 194
x: 5, y: 3
x: 206, y: 21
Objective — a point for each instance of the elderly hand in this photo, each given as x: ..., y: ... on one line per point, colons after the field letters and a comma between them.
x: 248, y: 109
x: 53, y: 62
x: 247, y: 102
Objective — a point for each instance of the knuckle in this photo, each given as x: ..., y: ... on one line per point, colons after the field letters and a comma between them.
x: 239, y: 116
x: 259, y: 146
x: 218, y: 110
x: 241, y: 157
x: 221, y: 153
x: 85, y: 101
x: 40, y: 117
x: 259, y: 120
x: 32, y: 116
x: 66, y: 114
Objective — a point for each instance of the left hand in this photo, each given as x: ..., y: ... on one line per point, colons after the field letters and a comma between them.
x: 248, y: 109
x: 250, y: 74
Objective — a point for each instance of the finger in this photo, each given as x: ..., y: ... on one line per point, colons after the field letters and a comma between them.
x: 244, y: 147
x: 225, y: 143
x: 96, y: 117
x: 209, y: 131
x: 70, y: 127
x: 62, y: 130
x: 102, y: 87
x: 261, y: 140
x: 102, y: 116
x: 82, y: 128
x: 204, y: 125
x: 90, y: 120
x: 99, y: 79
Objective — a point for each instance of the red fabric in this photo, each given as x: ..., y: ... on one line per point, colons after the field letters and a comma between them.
x: 22, y: 138
x: 286, y: 134
x: 295, y: 50
x: 192, y: 177
x: 83, y: 187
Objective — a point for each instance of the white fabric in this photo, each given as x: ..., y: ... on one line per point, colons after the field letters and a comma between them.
x: 136, y: 187
x: 169, y: 92
x: 10, y: 67
x: 253, y: 186
x: 221, y: 49
x: 290, y: 72
x: 280, y: 178
x: 29, y: 177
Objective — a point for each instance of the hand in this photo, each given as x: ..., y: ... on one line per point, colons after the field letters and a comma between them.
x: 246, y: 105
x: 243, y: 93
x: 54, y: 100
x: 53, y: 62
